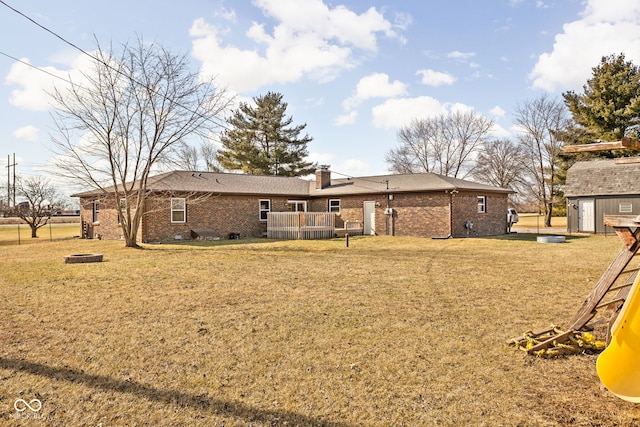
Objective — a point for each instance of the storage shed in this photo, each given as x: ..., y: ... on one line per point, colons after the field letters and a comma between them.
x: 596, y: 188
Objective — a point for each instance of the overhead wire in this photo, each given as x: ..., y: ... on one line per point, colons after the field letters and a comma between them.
x: 84, y: 52
x: 349, y: 177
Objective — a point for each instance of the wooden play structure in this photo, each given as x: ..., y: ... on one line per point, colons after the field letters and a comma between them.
x: 599, y: 311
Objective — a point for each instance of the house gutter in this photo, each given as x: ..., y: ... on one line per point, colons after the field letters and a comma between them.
x: 451, y: 194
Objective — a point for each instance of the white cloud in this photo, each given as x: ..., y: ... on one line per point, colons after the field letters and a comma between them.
x: 26, y: 133
x: 34, y: 87
x: 227, y: 15
x: 375, y: 85
x: 456, y: 54
x: 346, y: 119
x: 435, y: 78
x: 345, y: 167
x: 353, y: 167
x: 310, y: 39
x: 320, y: 158
x: 397, y: 112
x: 497, y: 111
x: 498, y: 131
x: 606, y: 27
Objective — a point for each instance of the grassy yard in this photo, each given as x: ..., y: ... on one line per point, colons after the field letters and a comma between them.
x: 528, y: 220
x: 387, y: 332
x: 17, y: 234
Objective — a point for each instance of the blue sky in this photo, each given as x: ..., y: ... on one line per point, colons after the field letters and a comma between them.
x: 353, y: 71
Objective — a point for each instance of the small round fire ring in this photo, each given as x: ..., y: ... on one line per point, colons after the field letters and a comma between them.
x: 82, y: 258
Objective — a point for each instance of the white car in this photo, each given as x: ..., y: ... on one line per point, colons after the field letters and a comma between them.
x: 512, y: 216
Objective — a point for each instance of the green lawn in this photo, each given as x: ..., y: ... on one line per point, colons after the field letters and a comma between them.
x: 390, y: 331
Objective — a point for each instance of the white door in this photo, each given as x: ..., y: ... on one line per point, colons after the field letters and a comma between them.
x: 586, y: 216
x: 369, y: 226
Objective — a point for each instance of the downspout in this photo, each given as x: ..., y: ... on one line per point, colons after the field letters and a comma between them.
x: 389, y: 212
x: 451, y: 218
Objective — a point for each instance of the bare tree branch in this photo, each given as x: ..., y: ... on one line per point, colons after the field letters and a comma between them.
x: 445, y: 144
x: 128, y: 116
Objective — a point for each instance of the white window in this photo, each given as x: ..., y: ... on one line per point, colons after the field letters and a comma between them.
x: 334, y: 205
x: 482, y: 204
x: 265, y: 208
x: 96, y: 210
x: 626, y: 207
x: 178, y: 210
x: 297, y: 205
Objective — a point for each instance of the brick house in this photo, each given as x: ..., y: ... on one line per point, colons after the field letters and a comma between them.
x: 181, y: 205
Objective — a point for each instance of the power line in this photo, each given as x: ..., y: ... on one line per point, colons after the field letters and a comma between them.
x: 28, y: 64
x: 117, y: 71
x: 43, y: 27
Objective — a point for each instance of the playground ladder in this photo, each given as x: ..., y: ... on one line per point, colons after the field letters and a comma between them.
x: 605, y: 299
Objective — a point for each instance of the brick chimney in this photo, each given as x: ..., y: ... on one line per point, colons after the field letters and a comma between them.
x: 323, y: 177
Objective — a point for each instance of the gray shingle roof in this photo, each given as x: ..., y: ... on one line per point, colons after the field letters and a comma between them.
x: 222, y: 183
x: 229, y: 183
x: 417, y: 182
x: 602, y: 177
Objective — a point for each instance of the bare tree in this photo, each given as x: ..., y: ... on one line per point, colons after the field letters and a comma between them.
x: 210, y: 157
x: 501, y: 162
x: 187, y: 158
x: 541, y: 122
x: 445, y: 144
x: 130, y: 113
x: 201, y: 158
x: 39, y: 199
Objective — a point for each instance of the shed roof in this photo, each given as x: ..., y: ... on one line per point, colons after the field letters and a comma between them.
x: 230, y: 183
x: 602, y: 178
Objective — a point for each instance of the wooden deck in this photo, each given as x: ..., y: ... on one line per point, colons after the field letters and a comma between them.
x: 301, y: 225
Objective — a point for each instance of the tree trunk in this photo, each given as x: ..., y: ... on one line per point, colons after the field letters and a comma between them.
x: 34, y: 231
x: 549, y: 210
x: 130, y: 242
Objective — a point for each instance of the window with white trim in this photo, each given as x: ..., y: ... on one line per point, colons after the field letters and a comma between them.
x: 178, y: 210
x: 265, y: 208
x: 482, y: 204
x: 334, y: 205
x: 297, y: 205
x: 96, y: 211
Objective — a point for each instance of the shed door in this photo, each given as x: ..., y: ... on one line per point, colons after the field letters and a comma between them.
x: 586, y: 216
x: 369, y: 226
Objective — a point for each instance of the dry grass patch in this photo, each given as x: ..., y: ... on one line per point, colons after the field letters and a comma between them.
x: 14, y: 234
x: 390, y: 331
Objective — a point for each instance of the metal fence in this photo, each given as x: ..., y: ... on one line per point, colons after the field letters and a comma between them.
x: 300, y: 225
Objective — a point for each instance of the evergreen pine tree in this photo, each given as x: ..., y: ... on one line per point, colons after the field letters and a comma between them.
x: 261, y: 140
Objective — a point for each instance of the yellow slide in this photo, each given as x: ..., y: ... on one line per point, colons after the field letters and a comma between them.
x: 619, y: 364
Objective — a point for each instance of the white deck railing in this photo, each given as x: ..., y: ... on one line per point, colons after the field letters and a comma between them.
x: 300, y: 225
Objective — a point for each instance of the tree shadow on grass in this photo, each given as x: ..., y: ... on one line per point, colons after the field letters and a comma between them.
x: 173, y: 397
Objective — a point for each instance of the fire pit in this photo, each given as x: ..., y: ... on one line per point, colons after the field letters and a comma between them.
x: 82, y: 258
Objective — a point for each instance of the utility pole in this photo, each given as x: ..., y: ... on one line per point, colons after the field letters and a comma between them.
x: 9, y: 165
x: 14, y: 179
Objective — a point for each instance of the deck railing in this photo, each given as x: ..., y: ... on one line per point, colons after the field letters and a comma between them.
x: 300, y: 225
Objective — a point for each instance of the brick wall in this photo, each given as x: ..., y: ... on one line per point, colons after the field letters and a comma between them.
x: 465, y: 208
x: 415, y: 214
x: 219, y: 215
x: 421, y: 215
x: 107, y: 226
